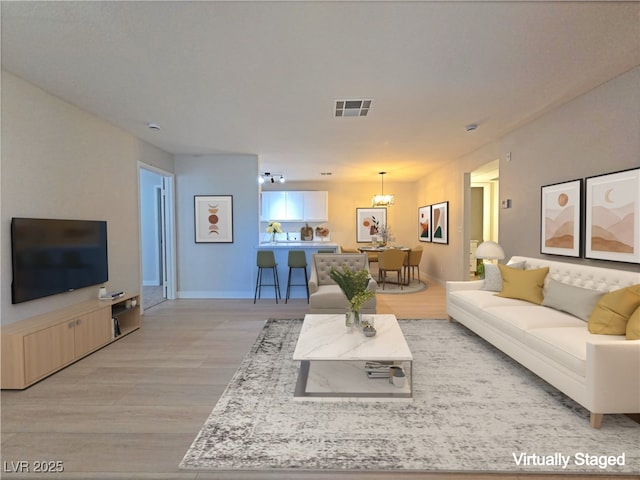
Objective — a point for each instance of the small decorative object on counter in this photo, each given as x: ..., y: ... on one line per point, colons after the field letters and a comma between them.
x: 306, y: 233
x: 322, y: 232
x: 273, y: 228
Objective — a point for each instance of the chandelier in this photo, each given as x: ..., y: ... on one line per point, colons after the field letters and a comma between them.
x: 382, y: 200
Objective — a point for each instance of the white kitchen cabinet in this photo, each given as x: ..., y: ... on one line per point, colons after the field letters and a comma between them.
x: 294, y: 206
x: 316, y: 206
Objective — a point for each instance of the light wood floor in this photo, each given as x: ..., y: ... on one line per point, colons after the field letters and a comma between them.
x: 132, y: 409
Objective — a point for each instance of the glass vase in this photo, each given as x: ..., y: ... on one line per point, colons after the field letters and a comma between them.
x: 273, y: 238
x: 352, y: 319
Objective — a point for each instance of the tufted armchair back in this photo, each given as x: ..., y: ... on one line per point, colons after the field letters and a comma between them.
x: 325, y: 297
x: 324, y: 262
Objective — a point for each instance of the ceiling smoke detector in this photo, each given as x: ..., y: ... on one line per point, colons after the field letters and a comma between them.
x: 352, y: 108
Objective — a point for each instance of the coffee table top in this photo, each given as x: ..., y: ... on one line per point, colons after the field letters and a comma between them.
x: 325, y: 337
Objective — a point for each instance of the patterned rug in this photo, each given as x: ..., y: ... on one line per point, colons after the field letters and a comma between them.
x: 474, y: 410
x: 393, y: 288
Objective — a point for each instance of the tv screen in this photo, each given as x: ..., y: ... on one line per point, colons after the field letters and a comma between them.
x: 53, y: 256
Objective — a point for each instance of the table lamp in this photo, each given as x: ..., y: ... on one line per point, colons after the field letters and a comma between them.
x: 488, y: 250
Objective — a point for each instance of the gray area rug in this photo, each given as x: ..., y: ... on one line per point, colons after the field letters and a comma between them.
x: 474, y: 410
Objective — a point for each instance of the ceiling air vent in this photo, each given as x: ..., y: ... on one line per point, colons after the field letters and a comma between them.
x: 352, y: 108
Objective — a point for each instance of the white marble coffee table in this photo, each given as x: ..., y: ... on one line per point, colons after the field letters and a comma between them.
x: 332, y: 359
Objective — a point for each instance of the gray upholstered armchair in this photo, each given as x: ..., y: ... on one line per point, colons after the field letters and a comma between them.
x: 324, y: 295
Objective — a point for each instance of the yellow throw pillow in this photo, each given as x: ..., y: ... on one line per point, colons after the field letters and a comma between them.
x: 611, y: 313
x: 633, y: 326
x: 523, y: 284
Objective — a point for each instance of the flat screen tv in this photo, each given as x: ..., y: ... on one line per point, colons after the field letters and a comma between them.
x: 51, y: 256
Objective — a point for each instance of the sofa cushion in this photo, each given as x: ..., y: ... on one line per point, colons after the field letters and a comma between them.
x: 577, y: 301
x: 523, y: 284
x: 633, y: 325
x: 518, y: 321
x: 482, y: 299
x: 493, y: 277
x: 611, y: 313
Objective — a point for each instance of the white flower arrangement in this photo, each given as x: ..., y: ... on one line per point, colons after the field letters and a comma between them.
x: 274, y: 227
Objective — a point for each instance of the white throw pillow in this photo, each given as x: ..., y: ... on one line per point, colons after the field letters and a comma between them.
x: 493, y: 278
x: 576, y: 301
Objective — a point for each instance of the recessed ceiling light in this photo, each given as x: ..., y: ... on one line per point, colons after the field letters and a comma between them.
x: 471, y: 127
x: 153, y: 126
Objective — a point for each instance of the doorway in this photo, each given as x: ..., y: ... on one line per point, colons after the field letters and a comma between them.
x: 156, y: 235
x: 484, y: 208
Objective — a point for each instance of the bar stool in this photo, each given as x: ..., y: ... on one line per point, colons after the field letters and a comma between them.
x: 267, y: 259
x: 297, y: 259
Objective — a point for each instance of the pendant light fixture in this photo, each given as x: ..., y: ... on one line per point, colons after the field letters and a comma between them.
x: 382, y: 200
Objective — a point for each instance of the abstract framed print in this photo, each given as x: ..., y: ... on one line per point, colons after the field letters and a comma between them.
x: 213, y: 218
x: 440, y: 223
x: 424, y: 223
x: 612, y: 220
x: 369, y: 221
x: 560, y: 219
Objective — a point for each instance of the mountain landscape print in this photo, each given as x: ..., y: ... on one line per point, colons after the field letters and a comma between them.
x: 612, y: 229
x: 613, y: 223
x: 561, y: 218
x: 560, y: 227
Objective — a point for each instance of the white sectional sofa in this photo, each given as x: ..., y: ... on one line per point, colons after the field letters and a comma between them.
x: 600, y: 372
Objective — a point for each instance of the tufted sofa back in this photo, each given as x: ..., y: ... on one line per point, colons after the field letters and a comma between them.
x: 579, y: 275
x: 324, y: 262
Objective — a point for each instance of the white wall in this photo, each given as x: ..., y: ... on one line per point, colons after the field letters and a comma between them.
x: 61, y: 162
x: 217, y: 270
x: 596, y: 133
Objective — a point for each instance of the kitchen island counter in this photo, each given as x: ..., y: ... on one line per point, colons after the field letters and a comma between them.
x: 292, y: 244
x: 281, y: 252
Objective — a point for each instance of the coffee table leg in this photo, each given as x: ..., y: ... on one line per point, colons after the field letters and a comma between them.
x: 303, y: 376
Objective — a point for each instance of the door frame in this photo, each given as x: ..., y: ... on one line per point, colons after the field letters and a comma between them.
x: 167, y: 221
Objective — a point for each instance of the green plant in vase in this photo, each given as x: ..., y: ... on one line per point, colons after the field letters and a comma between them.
x: 354, y: 284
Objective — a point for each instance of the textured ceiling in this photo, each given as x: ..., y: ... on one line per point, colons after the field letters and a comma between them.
x: 263, y: 77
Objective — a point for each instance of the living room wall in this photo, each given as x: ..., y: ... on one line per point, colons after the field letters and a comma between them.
x: 596, y: 133
x: 217, y: 270
x: 59, y: 161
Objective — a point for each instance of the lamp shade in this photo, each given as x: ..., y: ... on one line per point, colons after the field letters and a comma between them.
x: 490, y: 250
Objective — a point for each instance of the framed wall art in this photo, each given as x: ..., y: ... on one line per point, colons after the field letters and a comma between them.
x: 440, y: 223
x: 612, y: 216
x: 369, y: 221
x: 424, y: 223
x: 213, y: 218
x: 560, y: 219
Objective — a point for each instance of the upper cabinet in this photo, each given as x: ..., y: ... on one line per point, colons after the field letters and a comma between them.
x: 316, y: 206
x: 295, y: 206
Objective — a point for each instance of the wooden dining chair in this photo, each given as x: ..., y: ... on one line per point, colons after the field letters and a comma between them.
x: 413, y: 263
x: 391, y: 260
